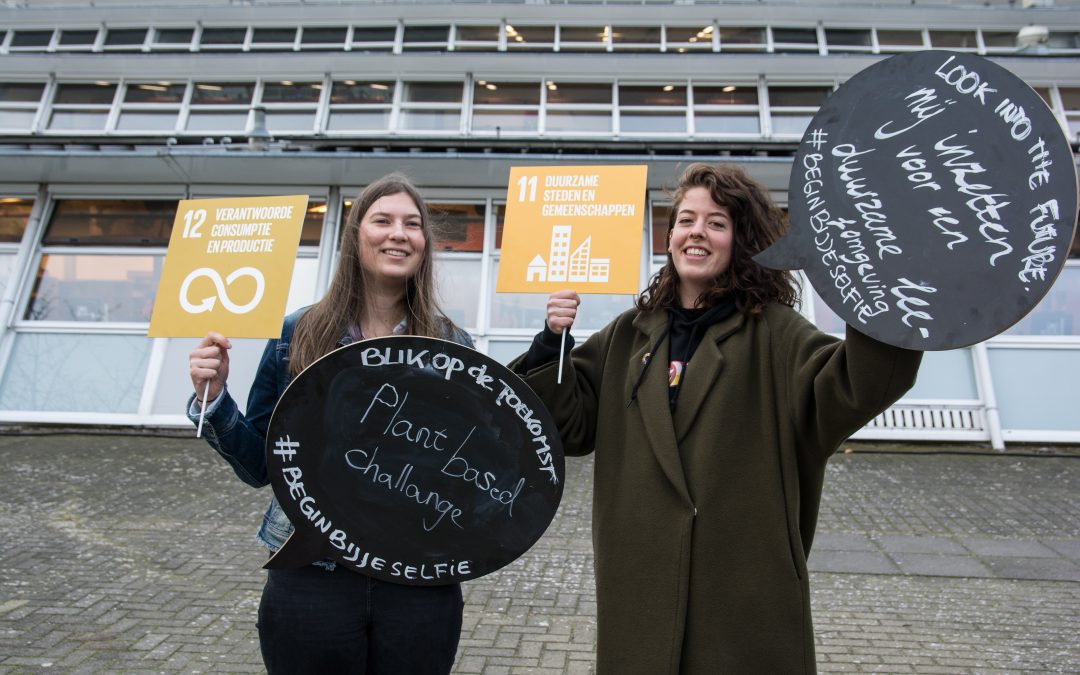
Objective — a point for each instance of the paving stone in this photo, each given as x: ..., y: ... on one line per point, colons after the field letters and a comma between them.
x: 95, y: 579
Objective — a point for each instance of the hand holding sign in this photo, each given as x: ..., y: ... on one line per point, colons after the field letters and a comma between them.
x: 412, y: 460
x: 228, y: 269
x: 576, y: 225
x: 932, y: 201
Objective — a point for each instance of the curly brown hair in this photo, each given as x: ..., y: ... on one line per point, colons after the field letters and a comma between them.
x: 758, y: 222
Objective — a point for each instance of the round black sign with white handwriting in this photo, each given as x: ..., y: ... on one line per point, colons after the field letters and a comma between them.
x: 932, y: 201
x: 413, y: 460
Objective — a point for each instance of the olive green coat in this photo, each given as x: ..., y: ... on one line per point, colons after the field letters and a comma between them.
x: 702, y: 523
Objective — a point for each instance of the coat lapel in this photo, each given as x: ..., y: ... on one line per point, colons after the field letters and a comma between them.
x: 652, y: 400
x: 701, y: 373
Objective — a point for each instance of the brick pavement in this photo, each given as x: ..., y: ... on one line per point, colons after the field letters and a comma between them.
x: 136, y: 554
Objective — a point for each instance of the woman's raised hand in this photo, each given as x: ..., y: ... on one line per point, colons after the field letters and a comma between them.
x: 209, y: 362
x: 562, y: 310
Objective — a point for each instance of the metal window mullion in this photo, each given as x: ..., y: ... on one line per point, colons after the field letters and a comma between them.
x: 764, y: 108
x: 249, y: 36
x: 399, y: 36
x: 616, y: 114
x: 823, y: 49
x: 23, y: 270
x: 114, y: 109
x: 395, y: 111
x: 154, y: 365
x: 349, y: 34
x: 328, y: 239
x: 45, y: 105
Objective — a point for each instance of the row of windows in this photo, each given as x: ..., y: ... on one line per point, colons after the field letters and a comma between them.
x: 100, y: 261
x: 403, y: 37
x: 473, y: 107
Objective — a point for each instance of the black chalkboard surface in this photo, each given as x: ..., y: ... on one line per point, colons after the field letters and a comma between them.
x: 412, y: 460
x: 932, y: 201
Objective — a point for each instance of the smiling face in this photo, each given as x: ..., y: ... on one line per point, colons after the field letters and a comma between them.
x: 391, y: 240
x: 700, y: 243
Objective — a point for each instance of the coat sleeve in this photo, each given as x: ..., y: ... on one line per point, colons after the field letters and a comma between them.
x: 240, y: 439
x: 573, y: 403
x: 837, y: 386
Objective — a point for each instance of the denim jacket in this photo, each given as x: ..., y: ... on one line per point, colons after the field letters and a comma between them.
x: 241, y: 439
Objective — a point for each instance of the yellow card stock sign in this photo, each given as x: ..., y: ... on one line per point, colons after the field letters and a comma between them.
x: 573, y: 227
x: 228, y: 267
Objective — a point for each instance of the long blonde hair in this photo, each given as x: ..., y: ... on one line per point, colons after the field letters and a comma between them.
x: 320, y: 328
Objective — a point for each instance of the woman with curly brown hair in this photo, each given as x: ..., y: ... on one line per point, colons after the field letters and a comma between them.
x: 708, y: 473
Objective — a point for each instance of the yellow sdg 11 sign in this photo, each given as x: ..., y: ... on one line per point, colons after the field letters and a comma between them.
x: 228, y: 267
x: 573, y: 227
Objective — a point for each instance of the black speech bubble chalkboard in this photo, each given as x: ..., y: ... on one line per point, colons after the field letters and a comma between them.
x: 932, y: 201
x: 412, y: 460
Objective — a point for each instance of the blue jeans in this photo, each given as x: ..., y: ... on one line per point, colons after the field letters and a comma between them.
x: 315, y: 621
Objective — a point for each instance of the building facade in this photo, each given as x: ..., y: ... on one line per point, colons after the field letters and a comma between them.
x: 111, y: 112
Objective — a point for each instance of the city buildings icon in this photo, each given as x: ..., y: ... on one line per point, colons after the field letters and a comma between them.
x: 564, y: 265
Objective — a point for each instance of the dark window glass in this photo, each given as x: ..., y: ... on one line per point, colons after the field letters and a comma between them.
x: 998, y: 39
x: 1063, y: 40
x: 458, y: 227
x: 273, y: 35
x: 31, y: 38
x: 579, y: 92
x: 383, y: 34
x: 437, y: 34
x: 433, y: 92
x: 956, y: 39
x: 636, y: 35
x: 652, y: 95
x: 220, y: 93
x: 1070, y: 97
x: 900, y: 38
x: 350, y: 91
x: 745, y: 94
x: 801, y: 36
x: 71, y: 38
x: 526, y: 36
x: 691, y: 34
x: 313, y: 224
x: 476, y: 33
x: 312, y: 36
x: 157, y: 92
x: 85, y: 93
x: 110, y: 222
x: 742, y: 36
x: 660, y: 215
x: 798, y: 96
x: 281, y: 92
x: 14, y: 215
x: 224, y: 36
x: 844, y: 37
x: 125, y: 37
x: 21, y: 92
x: 175, y: 35
x: 595, y: 34
x: 507, y: 93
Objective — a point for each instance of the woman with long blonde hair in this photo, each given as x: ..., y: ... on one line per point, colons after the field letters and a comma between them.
x: 325, y: 617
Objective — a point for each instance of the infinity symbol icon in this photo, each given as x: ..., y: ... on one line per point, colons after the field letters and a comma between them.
x: 222, y: 293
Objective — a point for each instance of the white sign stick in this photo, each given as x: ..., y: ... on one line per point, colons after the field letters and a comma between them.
x: 562, y: 350
x: 202, y: 410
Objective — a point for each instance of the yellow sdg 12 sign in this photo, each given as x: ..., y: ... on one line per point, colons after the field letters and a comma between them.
x: 576, y: 227
x: 228, y: 267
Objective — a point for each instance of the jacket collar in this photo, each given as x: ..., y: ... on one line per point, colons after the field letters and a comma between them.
x: 664, y: 433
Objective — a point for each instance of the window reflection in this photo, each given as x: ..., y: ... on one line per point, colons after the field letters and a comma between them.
x: 14, y: 215
x: 458, y: 227
x: 110, y: 222
x: 1058, y: 313
x: 102, y: 288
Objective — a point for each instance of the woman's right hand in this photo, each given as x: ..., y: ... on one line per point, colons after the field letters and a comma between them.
x: 562, y: 310
x: 209, y: 362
